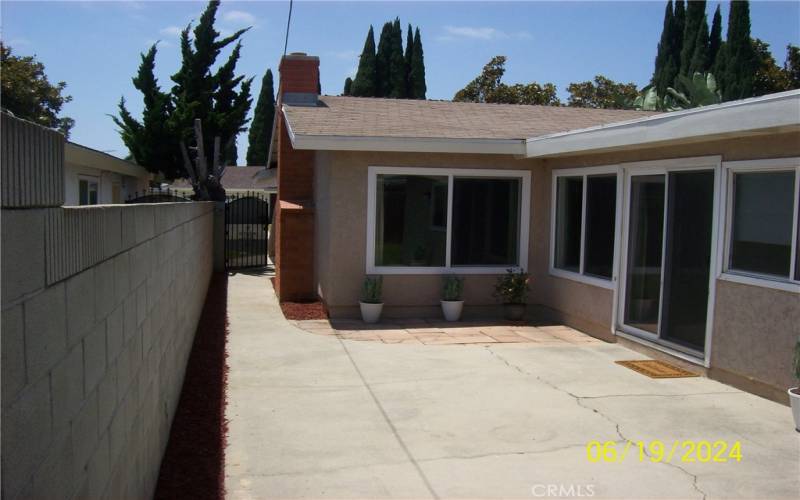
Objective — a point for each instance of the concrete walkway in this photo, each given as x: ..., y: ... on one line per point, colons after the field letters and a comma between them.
x: 318, y: 416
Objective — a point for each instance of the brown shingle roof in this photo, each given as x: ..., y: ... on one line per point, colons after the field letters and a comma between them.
x: 375, y: 117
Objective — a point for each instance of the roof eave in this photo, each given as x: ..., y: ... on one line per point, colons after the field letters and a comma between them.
x: 750, y: 116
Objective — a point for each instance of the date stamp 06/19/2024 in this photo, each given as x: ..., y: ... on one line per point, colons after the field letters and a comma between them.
x: 658, y: 451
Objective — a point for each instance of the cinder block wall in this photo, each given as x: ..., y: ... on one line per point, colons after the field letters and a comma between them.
x: 95, y: 341
x: 99, y: 310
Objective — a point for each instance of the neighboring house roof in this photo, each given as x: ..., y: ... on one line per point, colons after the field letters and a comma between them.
x: 388, y: 124
x: 757, y: 115
x: 243, y: 178
x: 77, y: 154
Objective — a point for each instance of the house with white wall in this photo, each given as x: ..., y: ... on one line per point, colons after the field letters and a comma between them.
x: 92, y: 177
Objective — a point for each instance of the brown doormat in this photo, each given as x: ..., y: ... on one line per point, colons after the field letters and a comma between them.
x: 656, y: 369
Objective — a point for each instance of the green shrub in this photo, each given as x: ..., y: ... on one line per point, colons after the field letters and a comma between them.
x: 372, y: 290
x: 452, y: 287
x: 512, y: 287
x: 797, y: 359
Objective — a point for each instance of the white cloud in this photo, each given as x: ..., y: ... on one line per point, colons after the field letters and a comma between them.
x: 171, y: 31
x: 480, y: 33
x: 239, y: 17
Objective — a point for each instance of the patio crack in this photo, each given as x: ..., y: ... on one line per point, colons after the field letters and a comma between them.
x: 390, y: 423
x: 579, y: 402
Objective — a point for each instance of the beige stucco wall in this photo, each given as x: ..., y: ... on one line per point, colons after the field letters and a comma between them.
x: 755, y: 329
x: 342, y: 233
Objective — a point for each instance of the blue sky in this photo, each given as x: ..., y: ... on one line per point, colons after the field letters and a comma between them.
x: 95, y: 46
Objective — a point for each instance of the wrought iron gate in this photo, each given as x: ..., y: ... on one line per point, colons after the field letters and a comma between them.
x: 247, y: 217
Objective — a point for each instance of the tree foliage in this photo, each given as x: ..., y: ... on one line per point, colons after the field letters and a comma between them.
x: 695, y: 17
x: 260, y: 134
x: 737, y: 75
x: 700, y: 90
x: 29, y: 94
x: 601, y: 93
x: 348, y: 86
x: 488, y: 88
x: 365, y: 84
x: 390, y: 70
x: 218, y: 98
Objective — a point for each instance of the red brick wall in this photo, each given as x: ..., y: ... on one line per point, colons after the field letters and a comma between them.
x: 299, y: 75
x: 294, y: 216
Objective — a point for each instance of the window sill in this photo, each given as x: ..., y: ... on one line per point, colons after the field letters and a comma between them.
x: 760, y: 281
x: 580, y: 278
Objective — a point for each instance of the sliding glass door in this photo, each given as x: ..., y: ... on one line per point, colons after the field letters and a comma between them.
x: 666, y: 268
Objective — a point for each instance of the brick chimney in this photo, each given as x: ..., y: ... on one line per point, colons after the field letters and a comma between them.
x: 294, y: 215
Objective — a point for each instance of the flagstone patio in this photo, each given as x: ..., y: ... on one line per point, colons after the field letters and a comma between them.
x: 438, y: 332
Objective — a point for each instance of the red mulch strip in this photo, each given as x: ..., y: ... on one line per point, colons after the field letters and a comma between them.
x: 299, y: 311
x: 193, y: 464
x: 303, y: 310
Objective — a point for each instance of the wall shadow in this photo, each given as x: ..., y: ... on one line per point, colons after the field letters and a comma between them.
x: 193, y: 463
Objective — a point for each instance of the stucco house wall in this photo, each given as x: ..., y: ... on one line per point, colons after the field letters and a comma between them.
x: 341, y: 233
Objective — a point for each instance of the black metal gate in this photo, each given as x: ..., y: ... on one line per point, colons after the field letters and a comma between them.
x: 247, y: 217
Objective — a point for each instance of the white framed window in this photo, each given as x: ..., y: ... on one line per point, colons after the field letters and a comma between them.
x: 584, y: 221
x: 443, y: 220
x: 87, y: 190
x: 762, y: 214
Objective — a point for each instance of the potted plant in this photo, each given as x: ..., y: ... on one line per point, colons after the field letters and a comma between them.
x: 371, y: 304
x: 452, y: 304
x: 794, y: 392
x: 512, y: 289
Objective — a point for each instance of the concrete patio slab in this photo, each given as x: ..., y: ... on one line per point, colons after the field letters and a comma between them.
x: 319, y: 416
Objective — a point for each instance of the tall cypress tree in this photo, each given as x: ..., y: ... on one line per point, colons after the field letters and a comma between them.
x: 364, y: 84
x: 383, y: 61
x: 695, y: 16
x: 664, y: 48
x: 219, y: 99
x: 740, y: 62
x: 397, y: 64
x: 699, y: 62
x: 417, y: 71
x: 348, y: 86
x: 714, y: 39
x: 407, y: 57
x: 260, y: 134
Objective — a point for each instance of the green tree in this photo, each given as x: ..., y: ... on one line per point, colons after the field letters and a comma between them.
x: 695, y: 18
x: 601, y: 93
x: 699, y: 61
x: 398, y: 71
x: 219, y: 99
x: 737, y: 74
x: 488, y: 88
x: 676, y: 37
x: 664, y: 51
x: 260, y: 134
x: 365, y: 84
x: 28, y: 94
x: 383, y: 61
x: 348, y: 86
x: 714, y: 38
x: 151, y: 142
x: 791, y: 66
x: 407, y: 61
x: 418, y: 88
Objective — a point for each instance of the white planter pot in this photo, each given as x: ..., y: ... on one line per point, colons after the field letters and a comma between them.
x: 371, y: 313
x: 794, y: 398
x: 452, y: 309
